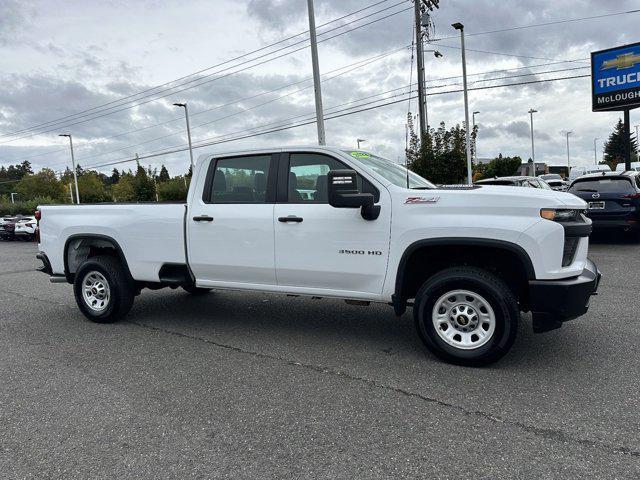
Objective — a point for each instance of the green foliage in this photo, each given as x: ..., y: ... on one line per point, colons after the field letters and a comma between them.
x: 124, y: 190
x: 9, y: 176
x: 498, y: 167
x: 144, y: 187
x: 172, y: 190
x: 24, y: 207
x: 163, y: 176
x: 92, y: 189
x: 442, y: 156
x: 614, y: 146
x: 42, y: 184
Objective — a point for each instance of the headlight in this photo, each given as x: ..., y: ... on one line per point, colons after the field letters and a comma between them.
x: 561, y: 214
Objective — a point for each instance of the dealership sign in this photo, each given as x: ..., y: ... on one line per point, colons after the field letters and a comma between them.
x: 615, y: 78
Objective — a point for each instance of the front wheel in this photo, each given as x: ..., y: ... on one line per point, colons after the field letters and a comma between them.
x: 103, y: 289
x: 467, y: 316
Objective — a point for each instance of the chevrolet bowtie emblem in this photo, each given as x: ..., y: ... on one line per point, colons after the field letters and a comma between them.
x: 626, y: 60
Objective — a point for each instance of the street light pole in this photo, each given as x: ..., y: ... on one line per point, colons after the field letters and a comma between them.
x: 460, y: 27
x: 73, y: 163
x: 360, y: 140
x: 12, y: 199
x: 595, y: 151
x: 186, y: 116
x: 533, y: 151
x: 316, y: 73
x: 568, y: 156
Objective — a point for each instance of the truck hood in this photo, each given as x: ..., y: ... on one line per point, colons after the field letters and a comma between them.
x: 523, y: 196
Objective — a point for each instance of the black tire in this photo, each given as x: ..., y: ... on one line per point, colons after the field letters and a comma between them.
x: 193, y: 290
x: 120, y: 286
x: 492, y: 290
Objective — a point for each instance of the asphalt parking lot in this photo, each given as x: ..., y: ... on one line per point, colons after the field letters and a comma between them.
x: 237, y: 385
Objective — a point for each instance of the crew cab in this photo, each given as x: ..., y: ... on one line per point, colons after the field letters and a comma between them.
x: 338, y: 223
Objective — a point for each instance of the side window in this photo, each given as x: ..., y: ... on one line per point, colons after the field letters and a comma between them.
x: 308, y: 178
x: 239, y: 179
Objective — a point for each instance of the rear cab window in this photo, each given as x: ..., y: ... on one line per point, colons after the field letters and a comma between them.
x: 241, y: 179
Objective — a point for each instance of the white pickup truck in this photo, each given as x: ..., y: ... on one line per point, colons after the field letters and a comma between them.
x: 330, y: 222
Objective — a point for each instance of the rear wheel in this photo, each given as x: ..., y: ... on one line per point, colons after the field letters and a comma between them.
x: 467, y: 316
x: 103, y: 289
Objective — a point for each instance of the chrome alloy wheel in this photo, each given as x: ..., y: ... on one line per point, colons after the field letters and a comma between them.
x: 95, y: 291
x: 463, y: 319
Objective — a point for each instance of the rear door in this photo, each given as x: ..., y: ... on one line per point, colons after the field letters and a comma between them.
x: 322, y: 247
x: 230, y: 225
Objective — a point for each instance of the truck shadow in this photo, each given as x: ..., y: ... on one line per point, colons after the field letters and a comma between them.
x: 329, y: 329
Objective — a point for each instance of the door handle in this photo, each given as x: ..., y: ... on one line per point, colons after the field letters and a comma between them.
x: 290, y: 218
x: 203, y: 218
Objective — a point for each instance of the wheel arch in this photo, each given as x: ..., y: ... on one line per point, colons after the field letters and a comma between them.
x: 451, y: 251
x: 86, y: 246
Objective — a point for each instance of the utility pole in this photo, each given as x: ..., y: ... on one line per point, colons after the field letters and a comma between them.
x: 420, y: 8
x: 595, y: 150
x: 460, y: 27
x: 316, y: 73
x: 417, y: 11
x: 186, y: 116
x: 73, y: 163
x: 533, y: 151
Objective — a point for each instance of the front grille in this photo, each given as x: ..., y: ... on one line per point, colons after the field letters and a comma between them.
x: 569, y: 252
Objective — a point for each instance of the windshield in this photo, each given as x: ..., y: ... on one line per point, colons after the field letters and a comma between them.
x: 394, y: 172
x: 551, y: 176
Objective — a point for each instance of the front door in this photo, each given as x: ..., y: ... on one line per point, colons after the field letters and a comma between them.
x: 322, y: 247
x: 230, y: 226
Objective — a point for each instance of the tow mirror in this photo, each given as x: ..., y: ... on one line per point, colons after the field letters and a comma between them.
x: 343, y: 193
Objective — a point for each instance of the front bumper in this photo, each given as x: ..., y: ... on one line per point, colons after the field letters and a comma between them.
x: 555, y: 301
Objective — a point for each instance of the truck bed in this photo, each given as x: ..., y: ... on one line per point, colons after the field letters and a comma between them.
x: 149, y: 235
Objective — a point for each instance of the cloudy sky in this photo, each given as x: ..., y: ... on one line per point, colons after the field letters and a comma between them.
x: 101, y: 70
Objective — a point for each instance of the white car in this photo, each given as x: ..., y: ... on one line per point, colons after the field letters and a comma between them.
x: 468, y: 259
x: 580, y: 170
x: 621, y: 167
x: 25, y: 228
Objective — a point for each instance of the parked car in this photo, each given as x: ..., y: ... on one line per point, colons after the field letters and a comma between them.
x: 467, y: 259
x: 613, y: 199
x: 7, y: 227
x: 516, y: 181
x: 621, y: 167
x: 555, y: 181
x: 25, y: 228
x: 581, y: 170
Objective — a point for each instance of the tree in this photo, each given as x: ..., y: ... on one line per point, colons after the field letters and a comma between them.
x: 145, y: 189
x: 164, y: 174
x: 442, y: 155
x: 91, y: 188
x: 115, y: 177
x: 42, y: 184
x: 172, y: 190
x: 614, y: 146
x: 498, y: 167
x: 124, y: 190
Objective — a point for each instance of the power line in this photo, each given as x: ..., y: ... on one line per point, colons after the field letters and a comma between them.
x: 328, y: 117
x: 154, y: 96
x: 534, y: 25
